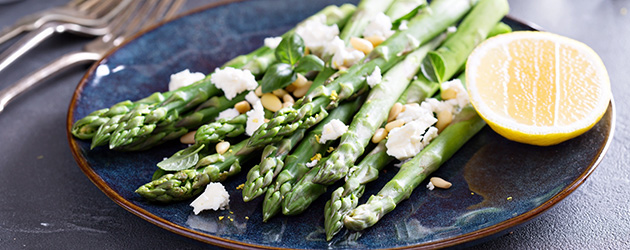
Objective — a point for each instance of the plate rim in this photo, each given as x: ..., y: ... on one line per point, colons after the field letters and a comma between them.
x: 223, y: 242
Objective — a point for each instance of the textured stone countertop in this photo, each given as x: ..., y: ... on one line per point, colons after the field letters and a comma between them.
x: 47, y: 202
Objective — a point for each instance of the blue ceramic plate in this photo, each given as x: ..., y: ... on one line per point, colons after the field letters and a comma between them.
x: 484, y: 173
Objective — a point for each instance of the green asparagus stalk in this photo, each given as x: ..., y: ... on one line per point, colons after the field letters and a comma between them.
x: 185, y: 184
x: 362, y: 16
x: 421, y: 29
x: 260, y: 176
x: 294, y: 164
x: 143, y: 121
x: 401, y: 8
x: 371, y: 115
x: 346, y: 197
x: 465, y: 125
x: 475, y: 28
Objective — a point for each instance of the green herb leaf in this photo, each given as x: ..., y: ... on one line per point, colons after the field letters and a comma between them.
x: 309, y: 63
x: 277, y: 76
x: 290, y: 49
x: 184, y: 159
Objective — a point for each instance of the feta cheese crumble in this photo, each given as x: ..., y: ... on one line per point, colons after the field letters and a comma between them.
x: 342, y: 56
x: 184, y: 78
x: 255, y: 118
x: 333, y: 130
x: 312, y: 163
x: 228, y: 114
x: 381, y: 25
x: 456, y: 85
x: 430, y: 186
x: 215, y: 197
x: 252, y: 98
x: 316, y: 34
x: 272, y: 42
x: 375, y: 77
x: 414, y: 112
x: 233, y: 81
x: 406, y: 141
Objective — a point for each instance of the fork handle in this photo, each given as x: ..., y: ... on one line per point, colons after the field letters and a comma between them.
x: 35, y: 37
x: 57, y: 66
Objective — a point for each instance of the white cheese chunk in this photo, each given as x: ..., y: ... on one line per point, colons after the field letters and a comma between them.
x: 431, y: 133
x: 255, y: 118
x: 406, y: 141
x: 375, y: 77
x: 430, y: 186
x: 342, y: 56
x: 215, y: 197
x: 252, y: 98
x: 457, y: 86
x: 311, y: 164
x: 272, y: 42
x: 414, y: 111
x: 333, y: 130
x: 316, y: 34
x: 228, y: 114
x: 381, y: 25
x: 233, y: 81
x: 184, y: 78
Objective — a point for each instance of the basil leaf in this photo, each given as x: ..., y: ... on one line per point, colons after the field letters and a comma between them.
x: 184, y: 159
x: 290, y: 49
x: 309, y: 63
x: 277, y: 76
x: 396, y: 23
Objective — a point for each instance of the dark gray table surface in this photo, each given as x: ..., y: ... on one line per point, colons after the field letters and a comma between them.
x: 47, y: 202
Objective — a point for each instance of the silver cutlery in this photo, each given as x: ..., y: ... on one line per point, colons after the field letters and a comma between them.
x: 138, y: 15
x: 102, y: 12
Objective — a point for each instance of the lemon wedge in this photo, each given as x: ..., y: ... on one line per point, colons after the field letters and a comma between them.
x: 537, y: 87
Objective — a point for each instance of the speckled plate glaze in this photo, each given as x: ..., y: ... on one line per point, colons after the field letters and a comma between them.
x: 485, y: 173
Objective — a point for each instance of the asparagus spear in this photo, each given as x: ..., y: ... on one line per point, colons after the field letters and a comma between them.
x: 294, y: 164
x: 476, y: 26
x: 346, y: 198
x: 142, y: 122
x: 465, y: 125
x: 260, y: 176
x: 421, y: 28
x: 371, y: 115
x: 185, y: 184
x: 362, y: 16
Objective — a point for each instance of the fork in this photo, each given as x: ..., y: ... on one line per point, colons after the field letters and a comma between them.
x: 35, y: 37
x: 134, y: 18
x: 84, y: 12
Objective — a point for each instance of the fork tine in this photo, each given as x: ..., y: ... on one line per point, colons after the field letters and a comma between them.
x: 133, y: 25
x: 103, y: 7
x: 163, y: 11
x: 87, y: 4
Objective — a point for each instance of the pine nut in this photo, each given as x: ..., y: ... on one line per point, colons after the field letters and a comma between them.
x: 394, y: 124
x: 444, y: 119
x: 393, y: 113
x: 290, y: 88
x: 279, y: 92
x: 288, y: 98
x: 222, y: 147
x: 242, y: 107
x: 258, y: 91
x: 301, y: 91
x: 379, y: 135
x: 271, y: 102
x: 188, y: 138
x: 287, y: 104
x: 300, y: 81
x: 440, y: 183
x: 448, y: 94
x: 375, y: 40
x: 361, y: 44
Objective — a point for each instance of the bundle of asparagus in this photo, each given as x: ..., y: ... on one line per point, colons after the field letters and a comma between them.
x: 294, y: 169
